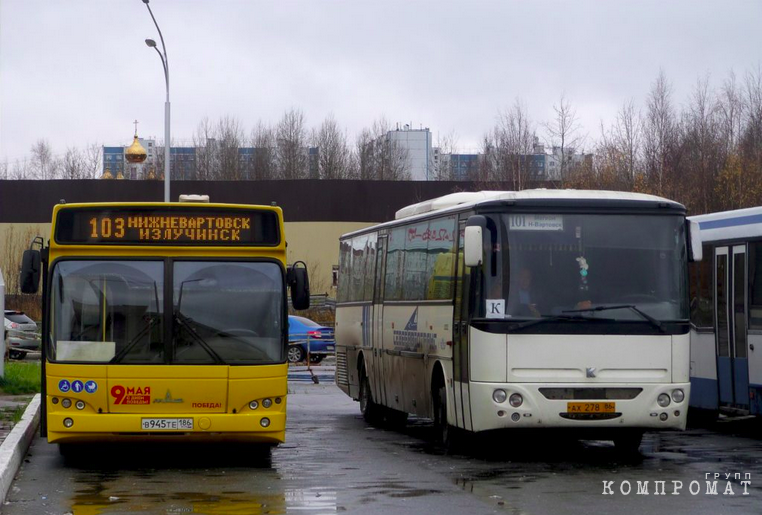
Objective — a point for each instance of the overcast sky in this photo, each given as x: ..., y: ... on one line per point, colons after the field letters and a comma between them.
x: 77, y: 71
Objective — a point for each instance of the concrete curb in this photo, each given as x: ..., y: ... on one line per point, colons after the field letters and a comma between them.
x: 15, y: 445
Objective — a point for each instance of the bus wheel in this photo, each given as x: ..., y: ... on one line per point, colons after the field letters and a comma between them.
x: 295, y: 354
x: 628, y: 444
x: 444, y: 432
x: 371, y: 412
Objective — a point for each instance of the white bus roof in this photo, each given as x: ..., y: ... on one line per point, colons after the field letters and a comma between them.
x: 730, y: 225
x: 465, y: 200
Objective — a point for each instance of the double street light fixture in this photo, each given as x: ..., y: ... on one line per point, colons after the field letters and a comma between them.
x: 165, y: 65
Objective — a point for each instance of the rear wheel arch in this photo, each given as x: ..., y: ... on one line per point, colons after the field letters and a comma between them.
x: 438, y: 380
x: 361, y: 368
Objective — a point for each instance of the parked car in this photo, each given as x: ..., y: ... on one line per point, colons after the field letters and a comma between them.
x: 21, y: 334
x: 303, y: 330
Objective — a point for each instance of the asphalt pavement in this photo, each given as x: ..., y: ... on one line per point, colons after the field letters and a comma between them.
x: 334, y: 462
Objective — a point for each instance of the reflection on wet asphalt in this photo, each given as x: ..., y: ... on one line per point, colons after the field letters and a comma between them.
x: 334, y: 462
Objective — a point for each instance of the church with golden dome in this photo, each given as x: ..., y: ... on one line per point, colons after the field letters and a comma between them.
x: 136, y: 161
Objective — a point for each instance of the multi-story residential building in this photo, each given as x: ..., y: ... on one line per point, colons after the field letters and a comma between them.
x: 415, y: 146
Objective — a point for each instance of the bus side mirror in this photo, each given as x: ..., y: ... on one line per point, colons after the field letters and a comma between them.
x: 473, y: 248
x: 31, y: 264
x: 299, y: 283
x: 695, y: 252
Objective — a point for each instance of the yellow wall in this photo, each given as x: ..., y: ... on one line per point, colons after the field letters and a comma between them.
x: 315, y: 243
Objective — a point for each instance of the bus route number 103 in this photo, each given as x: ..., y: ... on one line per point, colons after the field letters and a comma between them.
x: 107, y: 228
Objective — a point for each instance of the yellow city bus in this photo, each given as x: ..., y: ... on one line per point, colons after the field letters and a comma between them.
x: 164, y: 320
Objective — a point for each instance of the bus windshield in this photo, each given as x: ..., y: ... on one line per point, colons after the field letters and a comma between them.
x: 112, y: 311
x: 545, y: 265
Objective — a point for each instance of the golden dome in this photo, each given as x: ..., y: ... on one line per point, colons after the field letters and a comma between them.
x: 107, y: 174
x: 120, y: 175
x: 135, y: 153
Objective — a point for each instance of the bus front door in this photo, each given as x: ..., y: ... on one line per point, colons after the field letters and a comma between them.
x: 460, y: 390
x: 377, y: 322
x: 731, y: 325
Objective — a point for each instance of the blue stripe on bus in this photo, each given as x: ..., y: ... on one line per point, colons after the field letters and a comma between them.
x: 731, y: 222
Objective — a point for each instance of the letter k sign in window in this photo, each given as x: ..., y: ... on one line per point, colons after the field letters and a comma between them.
x: 495, y: 308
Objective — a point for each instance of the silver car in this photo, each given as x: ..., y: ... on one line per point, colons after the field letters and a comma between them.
x: 21, y: 334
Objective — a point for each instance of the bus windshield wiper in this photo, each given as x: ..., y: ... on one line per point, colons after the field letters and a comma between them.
x: 640, y: 312
x: 135, y: 340
x: 188, y: 324
x: 557, y: 318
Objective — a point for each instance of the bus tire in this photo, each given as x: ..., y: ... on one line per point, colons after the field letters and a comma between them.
x: 371, y: 412
x: 628, y: 444
x: 444, y: 432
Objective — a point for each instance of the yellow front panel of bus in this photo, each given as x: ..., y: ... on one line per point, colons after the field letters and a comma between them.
x: 110, y: 392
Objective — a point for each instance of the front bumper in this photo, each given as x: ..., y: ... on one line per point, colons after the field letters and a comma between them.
x: 222, y: 427
x: 642, y: 412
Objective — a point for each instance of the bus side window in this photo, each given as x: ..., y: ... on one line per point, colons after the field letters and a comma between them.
x: 755, y: 285
x: 701, y: 290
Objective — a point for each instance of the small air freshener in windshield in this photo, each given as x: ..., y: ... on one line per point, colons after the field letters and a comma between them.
x: 583, y: 270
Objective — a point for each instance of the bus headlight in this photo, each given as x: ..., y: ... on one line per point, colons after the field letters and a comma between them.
x: 80, y: 405
x: 253, y: 405
x: 516, y: 400
x: 66, y: 403
x: 678, y: 395
x: 265, y: 422
x: 68, y: 422
x: 663, y: 400
x: 499, y: 396
x: 267, y: 403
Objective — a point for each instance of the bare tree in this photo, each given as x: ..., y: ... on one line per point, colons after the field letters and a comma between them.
x: 207, y: 155
x: 730, y: 106
x: 92, y: 160
x: 72, y: 164
x: 264, y: 165
x: 43, y: 163
x: 291, y: 138
x: 658, y: 130
x: 20, y: 170
x: 380, y: 156
x: 627, y: 139
x: 229, y: 140
x: 515, y: 140
x: 333, y: 157
x: 364, y: 165
x: 447, y: 145
x: 564, y: 133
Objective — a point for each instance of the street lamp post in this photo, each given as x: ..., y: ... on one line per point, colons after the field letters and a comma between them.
x: 165, y: 64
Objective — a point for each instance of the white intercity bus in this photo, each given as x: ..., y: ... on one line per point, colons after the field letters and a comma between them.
x: 726, y: 315
x: 539, y: 308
